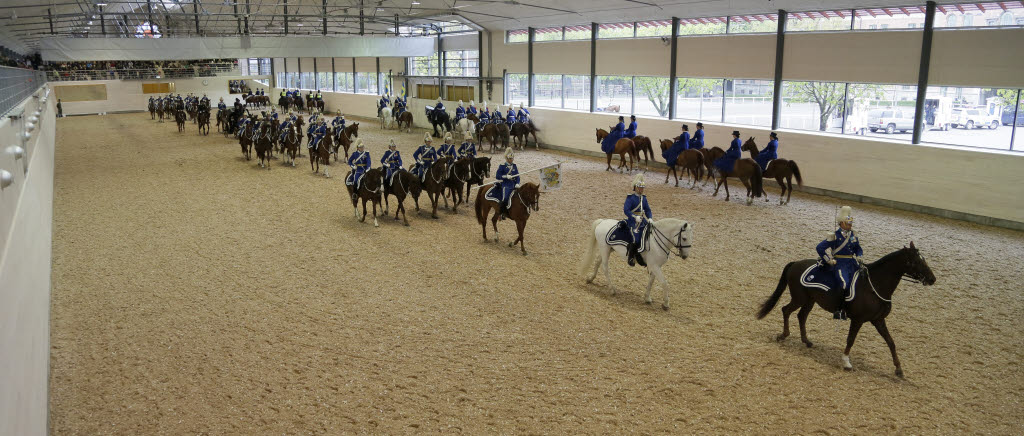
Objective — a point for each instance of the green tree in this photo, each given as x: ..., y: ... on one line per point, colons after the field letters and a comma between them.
x: 656, y: 91
x: 698, y: 88
x: 1007, y: 97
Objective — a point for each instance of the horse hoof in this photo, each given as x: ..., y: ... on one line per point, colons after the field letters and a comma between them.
x: 524, y: 253
x: 809, y: 344
x: 664, y: 307
x: 899, y: 372
x: 781, y: 337
x: 648, y: 302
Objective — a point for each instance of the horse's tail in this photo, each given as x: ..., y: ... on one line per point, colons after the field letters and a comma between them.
x: 588, y: 258
x: 479, y: 205
x: 796, y: 172
x: 700, y: 165
x: 770, y: 303
x: 757, y: 180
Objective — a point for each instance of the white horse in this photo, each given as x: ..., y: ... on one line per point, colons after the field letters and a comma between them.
x: 668, y: 236
x: 386, y: 117
x: 466, y: 125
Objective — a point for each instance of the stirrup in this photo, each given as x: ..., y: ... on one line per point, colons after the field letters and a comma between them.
x: 839, y: 314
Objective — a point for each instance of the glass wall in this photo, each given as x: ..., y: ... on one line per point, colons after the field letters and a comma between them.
x: 646, y: 29
x: 423, y: 65
x: 652, y: 96
x: 513, y: 36
x: 819, y: 21
x: 577, y: 33
x: 699, y: 99
x: 813, y: 106
x: 702, y: 26
x: 343, y: 82
x: 976, y: 117
x: 615, y: 30
x: 307, y: 81
x: 576, y: 92
x: 971, y: 15
x: 516, y: 87
x: 547, y: 34
x: 880, y: 110
x: 547, y: 91
x: 366, y: 83
x: 615, y: 94
x: 767, y: 23
x: 462, y: 63
x: 324, y: 81
x: 748, y: 101
x: 889, y: 18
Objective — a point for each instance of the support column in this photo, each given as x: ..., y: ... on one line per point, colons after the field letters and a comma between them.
x: 1013, y: 124
x: 922, y: 76
x: 673, y: 90
x: 316, y: 80
x: 325, y: 16
x: 246, y: 18
x: 529, y: 66
x: 285, y: 17
x: 380, y: 86
x: 480, y: 63
x: 49, y: 16
x: 195, y: 10
x: 780, y: 44
x: 334, y: 76
x: 593, y: 67
x: 103, y: 24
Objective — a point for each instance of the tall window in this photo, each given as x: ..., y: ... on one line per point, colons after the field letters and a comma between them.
x: 386, y: 84
x: 818, y: 21
x: 576, y: 92
x: 366, y: 83
x: 615, y: 30
x: 521, y: 35
x: 307, y: 81
x: 889, y: 18
x: 699, y: 99
x: 547, y: 90
x: 653, y: 28
x: 577, y: 33
x: 652, y: 96
x: 813, y: 106
x: 614, y: 94
x: 547, y: 34
x: 462, y: 63
x: 766, y: 23
x: 343, y: 82
x: 424, y: 65
x: 324, y: 81
x: 702, y: 26
x: 516, y: 87
x: 880, y: 110
x: 748, y: 101
x: 976, y: 117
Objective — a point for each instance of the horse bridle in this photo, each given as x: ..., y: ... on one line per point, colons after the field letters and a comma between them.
x: 679, y: 246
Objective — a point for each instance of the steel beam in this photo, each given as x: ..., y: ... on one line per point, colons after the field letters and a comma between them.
x: 780, y: 44
x: 593, y: 67
x: 531, y: 36
x: 673, y: 90
x: 922, y: 76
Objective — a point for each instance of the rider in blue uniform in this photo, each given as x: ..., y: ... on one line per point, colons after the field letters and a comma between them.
x: 485, y: 115
x: 383, y: 102
x: 359, y: 161
x: 424, y: 156
x: 524, y: 114
x: 697, y: 142
x: 673, y: 152
x: 631, y: 130
x: 221, y: 105
x: 438, y: 108
x: 496, y: 117
x: 273, y: 114
x: 770, y: 152
x: 242, y: 123
x: 392, y: 161
x: 508, y: 174
x: 286, y: 124
x: 608, y: 143
x: 638, y: 215
x: 727, y: 163
x: 468, y: 147
x: 447, y: 149
x: 472, y: 108
x: 400, y: 105
x: 338, y: 122
x: 318, y: 130
x: 460, y: 112
x: 841, y: 250
x: 510, y: 117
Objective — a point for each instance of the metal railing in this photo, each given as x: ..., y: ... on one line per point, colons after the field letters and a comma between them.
x: 206, y: 70
x: 16, y: 84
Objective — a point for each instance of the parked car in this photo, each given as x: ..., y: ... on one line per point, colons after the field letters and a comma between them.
x: 891, y: 120
x: 971, y: 118
x: 1008, y: 117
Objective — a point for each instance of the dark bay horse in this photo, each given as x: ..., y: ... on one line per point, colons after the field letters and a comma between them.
x: 371, y: 189
x: 435, y: 182
x: 748, y: 171
x: 179, y: 119
x: 405, y: 118
x: 263, y: 142
x: 872, y: 296
x: 778, y: 169
x: 524, y: 200
x: 245, y: 140
x: 479, y: 170
x: 690, y: 160
x: 439, y: 118
x: 321, y: 156
x: 341, y: 140
x: 521, y: 134
x: 458, y: 176
x: 623, y: 147
x: 643, y: 144
x: 152, y: 110
x: 402, y: 184
x: 204, y: 122
x: 352, y: 130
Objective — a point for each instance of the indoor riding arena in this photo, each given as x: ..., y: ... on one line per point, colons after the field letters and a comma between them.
x: 168, y: 267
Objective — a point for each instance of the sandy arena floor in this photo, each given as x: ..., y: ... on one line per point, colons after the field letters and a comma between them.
x: 194, y: 293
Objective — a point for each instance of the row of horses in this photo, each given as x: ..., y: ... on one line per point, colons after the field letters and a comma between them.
x: 500, y: 135
x: 298, y: 103
x: 698, y: 162
x: 197, y: 113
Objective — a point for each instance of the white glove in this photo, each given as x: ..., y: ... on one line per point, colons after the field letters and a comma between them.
x: 832, y: 262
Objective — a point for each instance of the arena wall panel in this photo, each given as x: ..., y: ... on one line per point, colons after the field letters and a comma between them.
x: 278, y: 65
x: 978, y: 58
x: 976, y: 182
x: 570, y: 57
x: 864, y: 57
x: 343, y: 65
x: 640, y: 57
x: 292, y: 64
x: 726, y: 56
x: 127, y: 95
x: 26, y: 239
x: 366, y: 65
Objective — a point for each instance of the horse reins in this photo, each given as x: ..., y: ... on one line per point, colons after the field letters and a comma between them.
x: 658, y: 236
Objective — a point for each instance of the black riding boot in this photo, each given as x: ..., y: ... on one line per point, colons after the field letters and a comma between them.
x: 840, y: 313
x: 631, y: 254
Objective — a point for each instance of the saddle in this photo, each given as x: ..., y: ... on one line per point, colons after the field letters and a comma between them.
x: 819, y: 276
x: 622, y: 235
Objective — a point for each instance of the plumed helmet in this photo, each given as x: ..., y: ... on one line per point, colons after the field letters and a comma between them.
x: 448, y: 136
x: 339, y: 111
x: 472, y: 103
x: 391, y: 143
x: 460, y: 103
x: 509, y: 154
x: 845, y: 215
x: 427, y: 138
x: 485, y: 104
x: 638, y: 181
x: 439, y: 99
x: 359, y: 143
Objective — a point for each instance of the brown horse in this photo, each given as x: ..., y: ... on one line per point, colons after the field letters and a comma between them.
x: 524, y: 199
x: 458, y: 176
x: 434, y: 184
x: 521, y: 133
x: 871, y: 302
x: 690, y: 160
x: 290, y: 145
x: 204, y: 121
x: 748, y: 171
x: 321, y: 156
x: 160, y: 112
x: 371, y: 189
x: 487, y: 132
x: 473, y: 118
x: 405, y: 118
x: 245, y: 140
x: 179, y: 119
x: 503, y: 134
x: 352, y: 131
x: 299, y: 124
x: 264, y: 143
x: 623, y: 147
x: 479, y: 170
x: 152, y: 110
x: 643, y: 144
x: 403, y: 183
x: 778, y: 169
x: 341, y: 140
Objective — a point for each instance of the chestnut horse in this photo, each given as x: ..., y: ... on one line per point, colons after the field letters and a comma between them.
x: 371, y: 189
x: 748, y: 171
x: 643, y: 143
x: 264, y: 143
x: 623, y: 147
x: 524, y: 199
x: 290, y: 145
x: 778, y: 169
x: 871, y: 297
x: 341, y: 140
x: 690, y: 160
x: 403, y: 183
x: 405, y: 118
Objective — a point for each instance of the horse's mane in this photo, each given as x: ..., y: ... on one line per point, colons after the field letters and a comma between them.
x: 670, y: 221
x: 889, y: 257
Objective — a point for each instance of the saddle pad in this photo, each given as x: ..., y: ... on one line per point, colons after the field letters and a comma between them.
x: 621, y: 235
x: 818, y: 276
x: 493, y: 194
